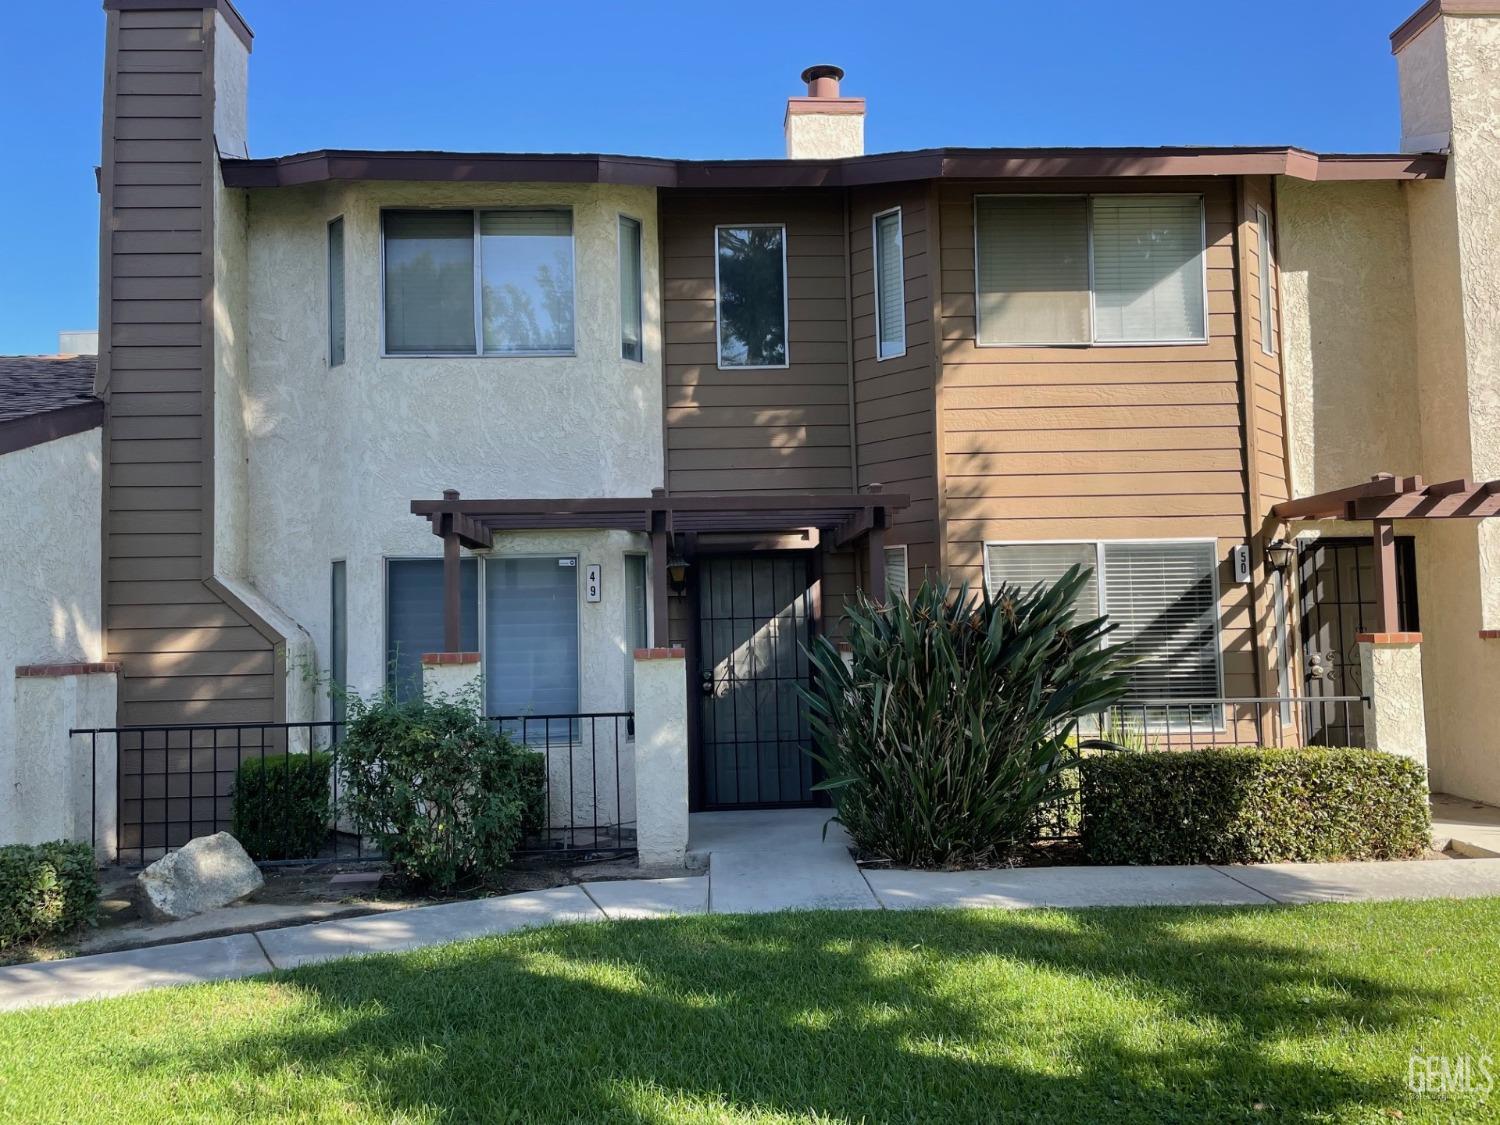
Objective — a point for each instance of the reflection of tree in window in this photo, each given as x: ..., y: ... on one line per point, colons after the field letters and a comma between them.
x: 535, y: 314
x: 752, y: 307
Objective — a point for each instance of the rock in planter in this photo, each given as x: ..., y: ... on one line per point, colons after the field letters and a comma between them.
x: 206, y: 873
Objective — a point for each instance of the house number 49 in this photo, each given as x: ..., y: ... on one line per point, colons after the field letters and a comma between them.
x: 591, y: 583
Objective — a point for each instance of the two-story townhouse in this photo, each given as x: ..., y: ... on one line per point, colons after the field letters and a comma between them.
x: 691, y: 403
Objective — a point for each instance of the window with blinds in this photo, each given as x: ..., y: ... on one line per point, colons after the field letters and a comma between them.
x: 336, y: 292
x: 1089, y: 269
x: 1026, y: 564
x: 890, y: 286
x: 1148, y: 268
x: 631, y: 346
x: 897, y: 577
x: 519, y: 301
x: 1032, y: 259
x: 531, y: 639
x: 1162, y: 598
x: 414, y: 618
x: 1267, y: 272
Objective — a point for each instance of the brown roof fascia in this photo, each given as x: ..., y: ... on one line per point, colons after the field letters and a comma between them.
x: 223, y: 7
x: 880, y: 168
x: 35, y: 429
x: 1424, y: 16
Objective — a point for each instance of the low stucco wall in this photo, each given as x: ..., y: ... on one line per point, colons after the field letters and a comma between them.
x: 50, y: 584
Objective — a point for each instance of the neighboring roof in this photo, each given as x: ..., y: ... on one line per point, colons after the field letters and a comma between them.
x: 43, y: 397
x: 878, y: 168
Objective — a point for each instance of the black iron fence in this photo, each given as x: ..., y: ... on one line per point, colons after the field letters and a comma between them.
x: 174, y: 783
x: 1199, y: 723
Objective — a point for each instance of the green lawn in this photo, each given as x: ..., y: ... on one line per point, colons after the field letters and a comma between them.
x: 1287, y: 1014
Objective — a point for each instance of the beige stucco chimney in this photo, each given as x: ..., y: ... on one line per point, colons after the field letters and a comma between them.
x: 823, y: 125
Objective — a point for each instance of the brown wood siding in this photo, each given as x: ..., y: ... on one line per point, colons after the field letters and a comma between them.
x: 1101, y: 442
x: 186, y: 654
x: 756, y: 431
x: 1269, y: 429
x: 894, y: 403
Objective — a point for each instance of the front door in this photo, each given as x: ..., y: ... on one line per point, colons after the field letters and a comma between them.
x: 1337, y: 582
x: 755, y: 618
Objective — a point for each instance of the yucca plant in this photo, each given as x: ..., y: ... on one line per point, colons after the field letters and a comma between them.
x: 955, y: 719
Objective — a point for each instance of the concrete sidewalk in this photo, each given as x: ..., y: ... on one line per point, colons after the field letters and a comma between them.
x: 758, y: 863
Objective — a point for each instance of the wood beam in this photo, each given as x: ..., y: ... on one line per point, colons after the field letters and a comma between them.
x: 876, y: 568
x: 660, y: 545
x: 452, y: 589
x: 1387, y: 615
x: 1333, y: 503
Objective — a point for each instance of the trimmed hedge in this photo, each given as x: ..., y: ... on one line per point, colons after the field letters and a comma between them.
x: 46, y: 889
x: 1249, y: 805
x: 281, y: 805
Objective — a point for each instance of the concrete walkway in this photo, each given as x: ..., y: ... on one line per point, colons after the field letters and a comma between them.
x: 1468, y: 827
x: 759, y: 862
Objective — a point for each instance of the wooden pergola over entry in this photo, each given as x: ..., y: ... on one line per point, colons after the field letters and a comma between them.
x: 841, y: 519
x: 1384, y: 499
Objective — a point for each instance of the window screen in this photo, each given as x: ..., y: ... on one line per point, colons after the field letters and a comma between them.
x: 336, y: 292
x: 526, y: 261
x: 531, y: 640
x: 1148, y: 268
x: 890, y: 282
x: 1026, y: 564
x: 1267, y: 275
x: 429, y: 282
x: 1033, y: 270
x: 414, y: 617
x: 751, y: 288
x: 630, y: 289
x: 897, y: 579
x: 1162, y: 597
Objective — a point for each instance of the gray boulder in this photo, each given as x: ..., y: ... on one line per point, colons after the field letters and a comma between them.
x: 204, y: 874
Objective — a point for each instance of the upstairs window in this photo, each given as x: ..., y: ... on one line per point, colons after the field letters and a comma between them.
x: 890, y: 287
x: 336, y: 292
x: 630, y: 288
x: 493, y: 282
x: 750, y: 285
x: 1120, y: 269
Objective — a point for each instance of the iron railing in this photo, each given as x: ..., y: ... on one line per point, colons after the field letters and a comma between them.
x: 173, y: 783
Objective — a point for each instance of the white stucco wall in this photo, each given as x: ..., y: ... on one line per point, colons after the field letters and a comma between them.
x: 334, y: 456
x: 50, y: 562
x: 824, y: 136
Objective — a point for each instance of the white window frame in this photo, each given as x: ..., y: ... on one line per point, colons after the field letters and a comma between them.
x: 786, y: 313
x: 1101, y: 577
x: 1266, y: 250
x: 880, y: 355
x: 905, y: 568
x: 480, y: 607
x: 640, y: 265
x: 1088, y: 199
x: 478, y: 286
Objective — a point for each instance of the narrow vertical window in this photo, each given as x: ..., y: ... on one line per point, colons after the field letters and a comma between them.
x: 896, y: 580
x: 336, y: 292
x: 630, y: 289
x: 338, y: 641
x: 1267, y: 276
x: 890, y: 286
x: 750, y: 283
x: 635, y: 620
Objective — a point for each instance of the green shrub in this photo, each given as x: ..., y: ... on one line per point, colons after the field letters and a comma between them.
x: 1248, y: 805
x: 445, y: 796
x: 957, y: 718
x: 281, y: 805
x: 46, y: 889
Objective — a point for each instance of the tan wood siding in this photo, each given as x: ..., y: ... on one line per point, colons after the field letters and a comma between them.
x: 894, y: 399
x: 753, y: 431
x: 1099, y: 442
x: 185, y: 654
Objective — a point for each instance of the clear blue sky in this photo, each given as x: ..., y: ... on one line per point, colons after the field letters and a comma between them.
x: 688, y: 80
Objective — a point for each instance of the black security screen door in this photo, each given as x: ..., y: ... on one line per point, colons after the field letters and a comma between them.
x: 754, y: 619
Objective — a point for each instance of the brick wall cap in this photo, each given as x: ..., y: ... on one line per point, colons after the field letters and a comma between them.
x: 1389, y: 638
x: 676, y: 652
x: 87, y: 668
x: 440, y: 658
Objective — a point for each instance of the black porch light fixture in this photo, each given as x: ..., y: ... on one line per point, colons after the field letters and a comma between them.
x: 677, y: 568
x: 1279, y: 554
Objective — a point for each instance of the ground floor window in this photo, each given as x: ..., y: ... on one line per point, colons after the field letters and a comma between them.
x: 521, y: 614
x: 1162, y: 595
